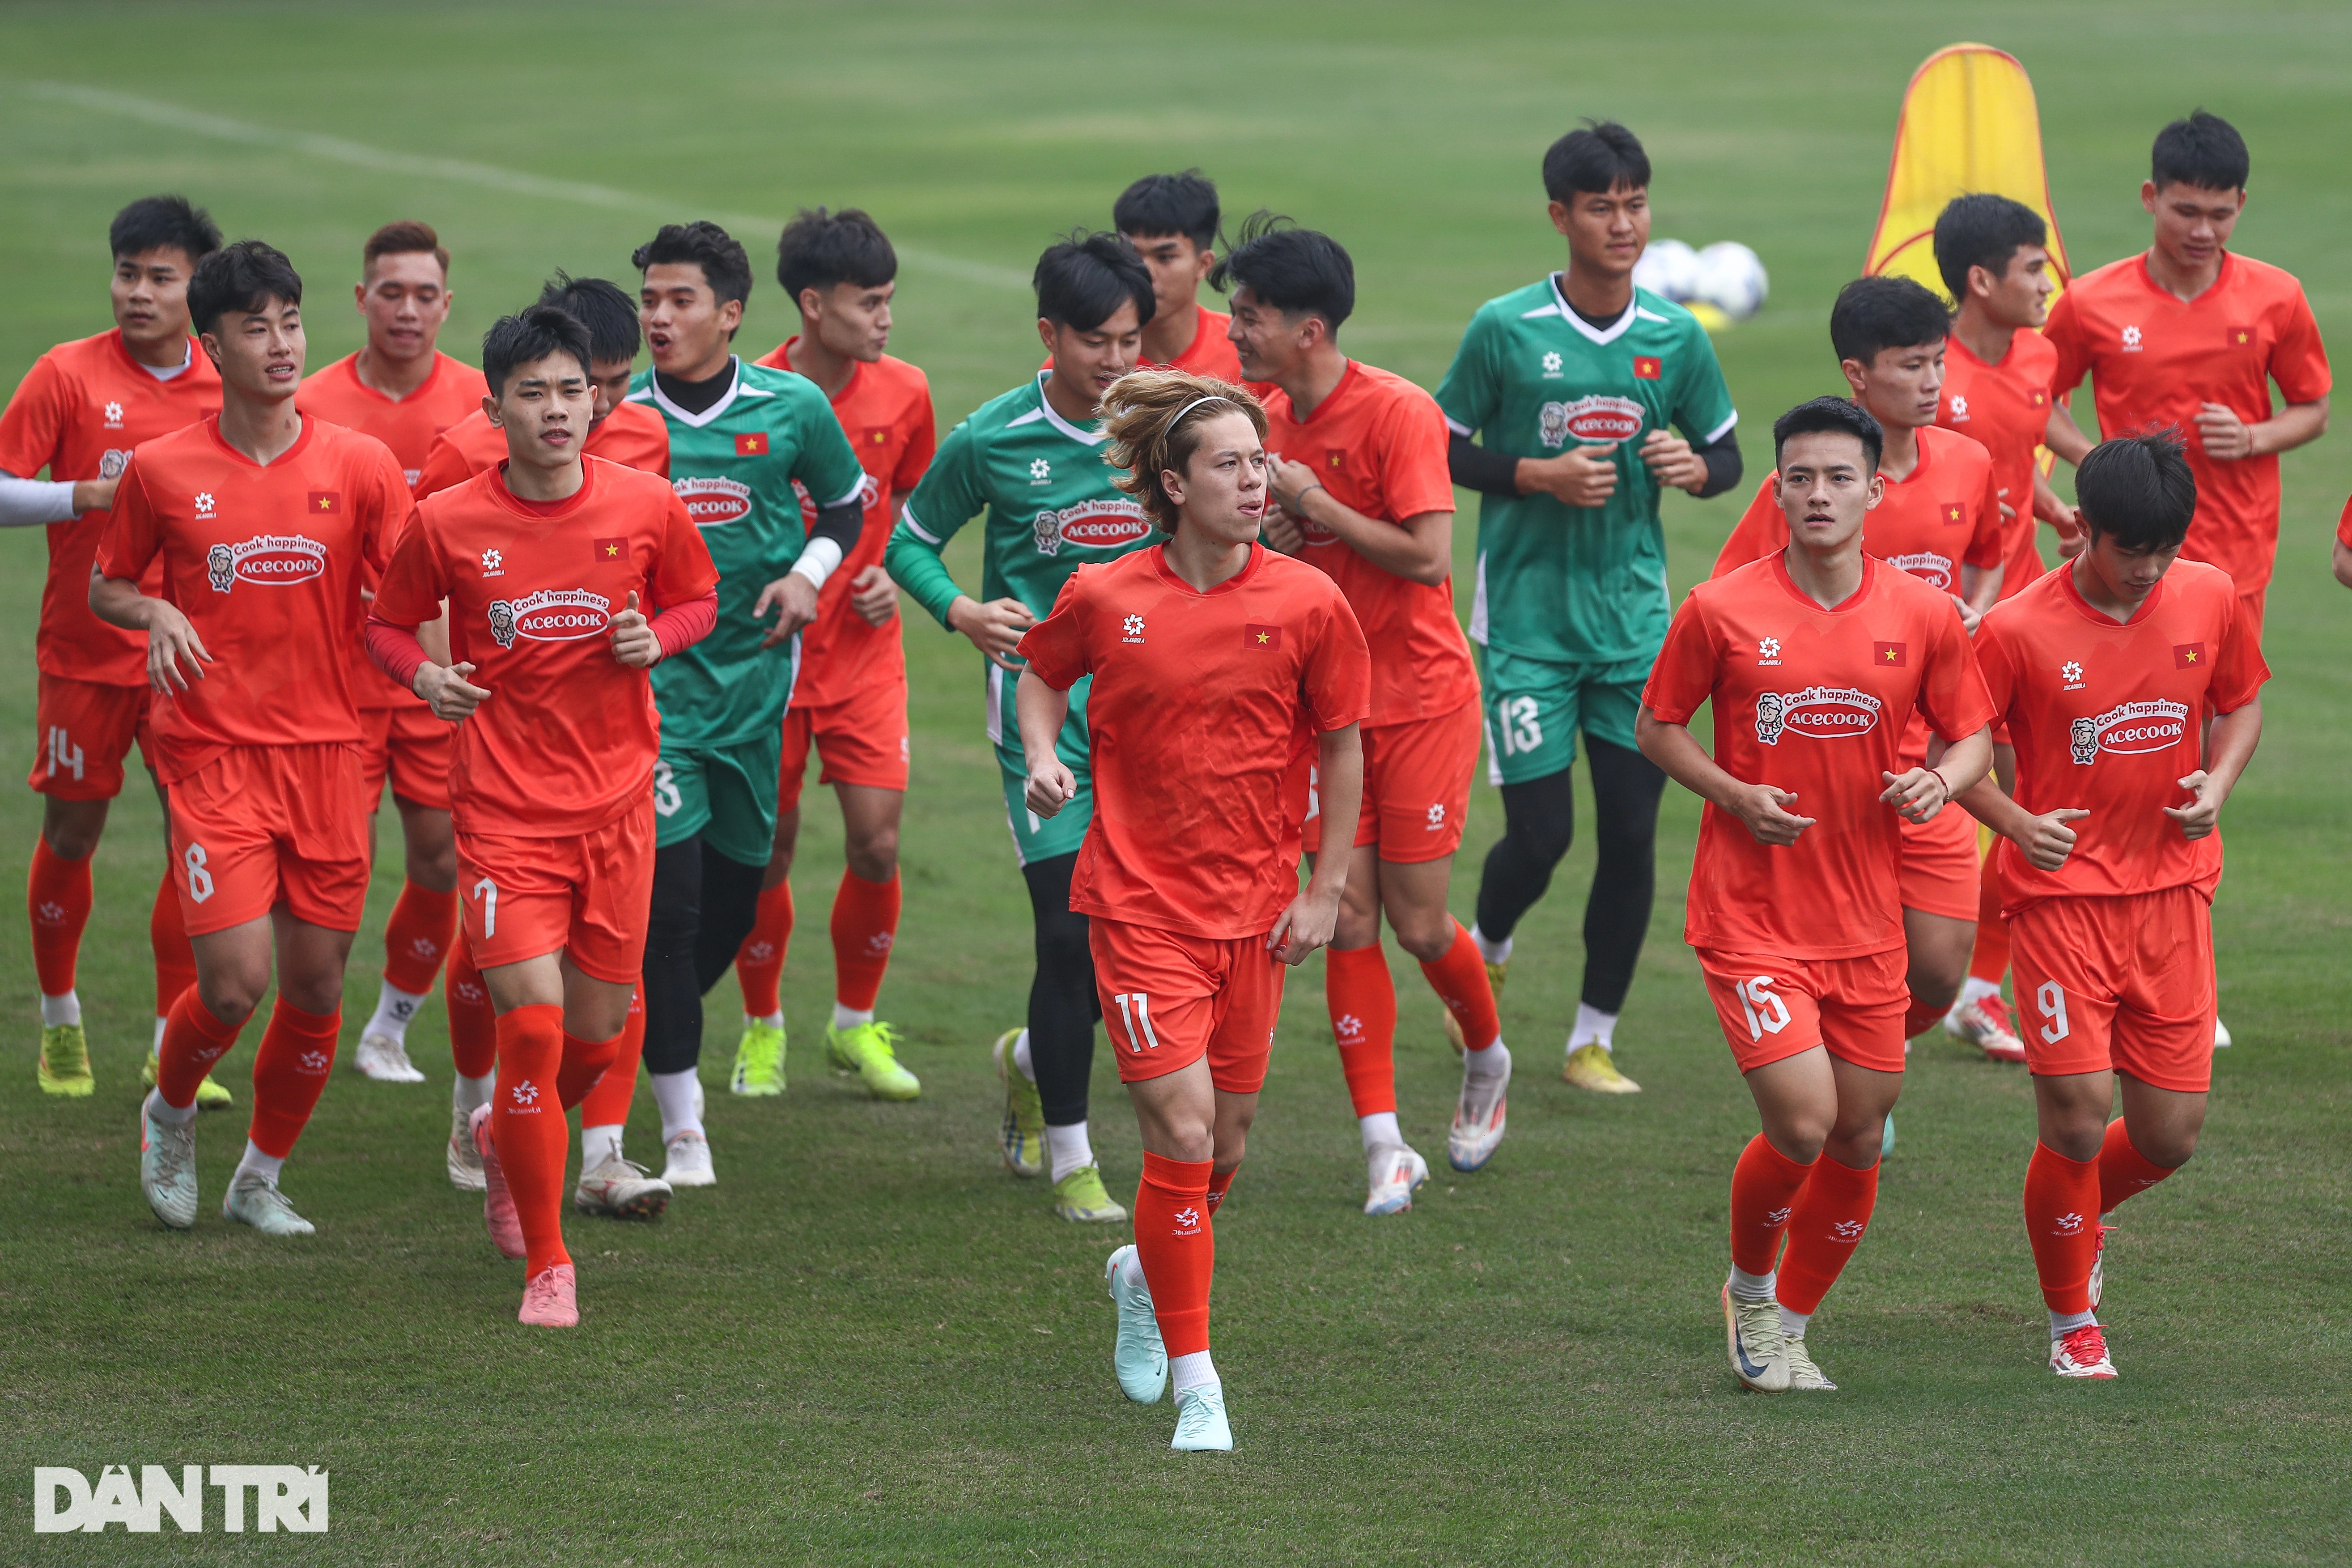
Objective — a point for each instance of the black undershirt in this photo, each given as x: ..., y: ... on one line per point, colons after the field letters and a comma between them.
x: 697, y: 396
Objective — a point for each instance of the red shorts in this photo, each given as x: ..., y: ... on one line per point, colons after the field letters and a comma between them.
x: 1416, y: 788
x: 861, y: 740
x: 1940, y: 865
x: 1170, y: 999
x: 1772, y: 1007
x: 2122, y: 983
x: 587, y: 896
x: 413, y: 746
x: 259, y: 826
x: 86, y: 729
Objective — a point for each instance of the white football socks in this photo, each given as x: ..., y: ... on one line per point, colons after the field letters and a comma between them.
x: 1594, y: 1027
x: 1746, y: 1287
x: 674, y: 1092
x: 1491, y: 1063
x: 774, y: 1020
x: 265, y: 1166
x: 2064, y: 1323
x: 1067, y: 1148
x: 1193, y: 1371
x: 851, y: 1017
x: 1792, y: 1323
x: 1492, y: 951
x: 170, y: 1115
x: 467, y: 1093
x: 1021, y: 1057
x: 1379, y: 1130
x: 394, y: 1009
x: 597, y: 1146
x: 1973, y: 987
x: 60, y: 1010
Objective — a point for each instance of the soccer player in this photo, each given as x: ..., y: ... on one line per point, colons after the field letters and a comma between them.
x: 1359, y: 468
x: 746, y: 442
x: 2340, y: 556
x: 550, y: 565
x: 79, y: 413
x: 1033, y: 460
x: 1172, y: 221
x: 1215, y: 665
x: 850, y: 701
x: 1574, y: 381
x: 1938, y: 517
x: 2131, y: 682
x: 261, y: 519
x: 1815, y: 659
x: 404, y: 391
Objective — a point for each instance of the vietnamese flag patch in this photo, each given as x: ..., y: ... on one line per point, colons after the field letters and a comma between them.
x: 611, y: 548
x: 877, y: 435
x: 1335, y: 460
x: 2039, y: 397
x: 324, y: 503
x: 1888, y: 655
x: 2238, y: 337
x: 2189, y: 655
x: 754, y: 445
x: 1648, y: 367
x: 1268, y: 638
x: 1956, y: 513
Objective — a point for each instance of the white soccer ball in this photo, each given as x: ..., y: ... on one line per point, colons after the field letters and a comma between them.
x: 1730, y: 276
x: 1668, y: 268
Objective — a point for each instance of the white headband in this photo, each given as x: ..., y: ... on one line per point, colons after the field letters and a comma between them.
x: 1213, y: 397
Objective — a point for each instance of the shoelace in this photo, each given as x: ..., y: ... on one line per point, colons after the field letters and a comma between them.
x: 2085, y: 1346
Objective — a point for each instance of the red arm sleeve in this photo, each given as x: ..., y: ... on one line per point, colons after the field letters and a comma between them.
x: 1336, y: 680
x: 2063, y: 331
x: 1684, y: 677
x: 1760, y: 531
x: 396, y: 652
x: 2299, y: 361
x: 681, y: 626
x: 132, y: 530
x: 35, y: 422
x: 1055, y: 646
x: 1952, y: 689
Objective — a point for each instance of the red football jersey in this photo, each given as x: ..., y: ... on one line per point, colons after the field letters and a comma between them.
x: 2344, y: 524
x: 567, y: 740
x: 632, y: 434
x: 1201, y: 704
x: 266, y: 564
x: 1814, y: 701
x: 1378, y: 444
x: 79, y: 413
x: 2108, y: 716
x: 885, y: 412
x: 2153, y: 360
x: 2005, y: 409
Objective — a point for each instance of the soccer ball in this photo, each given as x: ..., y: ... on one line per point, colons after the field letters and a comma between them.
x: 1668, y: 268
x: 1730, y: 276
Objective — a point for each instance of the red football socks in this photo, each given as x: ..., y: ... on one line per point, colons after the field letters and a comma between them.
x: 56, y: 897
x: 290, y: 1073
x: 1220, y: 1186
x: 2062, y: 1221
x: 1918, y: 1017
x: 527, y: 1125
x: 759, y: 962
x: 585, y: 1063
x: 2124, y: 1171
x: 607, y: 1104
x: 175, y: 961
x: 865, y: 925
x: 1459, y: 981
x: 1832, y: 1212
x: 1990, y: 960
x: 1362, y: 1001
x: 193, y: 1040
x: 473, y: 1026
x: 418, y: 937
x: 1764, y: 1188
x: 1176, y: 1249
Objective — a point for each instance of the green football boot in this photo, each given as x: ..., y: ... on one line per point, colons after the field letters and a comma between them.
x: 758, y: 1059
x: 870, y: 1050
x: 210, y: 1096
x: 65, y: 1061
x: 1080, y: 1196
x: 1021, y: 1139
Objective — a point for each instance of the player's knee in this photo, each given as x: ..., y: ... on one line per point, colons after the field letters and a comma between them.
x: 434, y: 867
x: 1936, y: 985
x: 231, y: 990
x: 1063, y: 950
x: 71, y: 830
x: 1427, y: 934
x: 873, y: 853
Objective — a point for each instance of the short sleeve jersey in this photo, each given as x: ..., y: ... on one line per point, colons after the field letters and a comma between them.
x: 266, y: 563
x: 79, y: 413
x: 1578, y: 585
x: 1200, y: 704
x: 2344, y: 526
x: 885, y: 412
x: 409, y: 425
x: 736, y: 465
x: 1814, y: 701
x: 1050, y: 503
x: 2108, y: 717
x: 567, y: 741
x: 632, y: 434
x: 2154, y: 360
x: 1378, y: 444
x: 2005, y: 409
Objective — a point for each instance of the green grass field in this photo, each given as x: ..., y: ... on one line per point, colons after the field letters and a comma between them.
x: 872, y: 1345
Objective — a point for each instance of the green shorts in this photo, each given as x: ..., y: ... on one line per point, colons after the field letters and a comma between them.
x: 1037, y: 838
x: 1534, y: 710
x: 727, y: 793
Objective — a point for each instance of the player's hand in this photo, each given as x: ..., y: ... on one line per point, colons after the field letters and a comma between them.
x: 1286, y: 481
x: 1051, y: 787
x: 2071, y: 540
x: 2225, y: 437
x: 95, y: 495
x: 1308, y: 923
x: 171, y: 641
x: 1918, y: 793
x: 1669, y: 457
x: 1969, y: 615
x: 1759, y: 808
x: 874, y: 596
x: 793, y: 598
x: 2000, y: 499
x: 447, y: 692
x: 1281, y: 532
x: 634, y: 647
x: 2049, y: 840
x: 1584, y: 476
x: 994, y: 627
x: 2198, y: 818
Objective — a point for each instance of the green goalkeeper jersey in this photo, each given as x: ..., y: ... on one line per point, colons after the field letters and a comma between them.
x: 1578, y: 585
x: 735, y: 465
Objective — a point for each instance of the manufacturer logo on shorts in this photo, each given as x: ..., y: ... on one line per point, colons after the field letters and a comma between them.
x: 276, y: 559
x: 1595, y: 418
x: 552, y: 615
x: 1436, y: 816
x: 2129, y: 728
x: 112, y: 462
x: 1930, y: 568
x: 1095, y: 524
x: 714, y: 501
x: 1817, y: 713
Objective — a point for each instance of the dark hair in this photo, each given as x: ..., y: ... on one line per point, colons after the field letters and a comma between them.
x: 406, y: 238
x: 1874, y: 314
x: 608, y: 313
x: 1297, y: 271
x: 1601, y: 156
x: 244, y: 277
x: 2137, y: 490
x: 1983, y: 230
x: 1082, y: 281
x: 724, y: 266
x: 1156, y: 205
x: 163, y: 223
x: 530, y: 336
x: 820, y: 249
x: 2204, y: 150
x: 1830, y: 416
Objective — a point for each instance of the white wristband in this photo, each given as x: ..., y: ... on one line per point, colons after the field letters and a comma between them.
x: 818, y: 559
